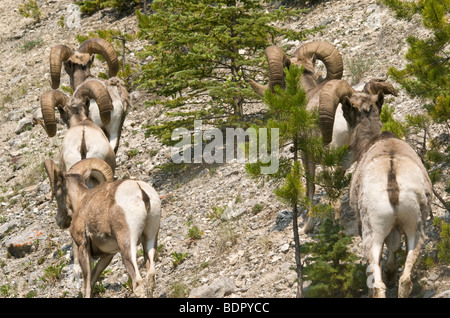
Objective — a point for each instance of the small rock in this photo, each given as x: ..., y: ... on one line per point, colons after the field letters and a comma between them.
x: 73, y: 18
x: 284, y: 248
x: 23, y: 125
x: 6, y: 227
x: 284, y: 218
x: 433, y: 277
x: 444, y: 294
x: 218, y: 289
x: 23, y: 243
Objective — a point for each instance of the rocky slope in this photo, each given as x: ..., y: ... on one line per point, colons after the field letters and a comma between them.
x: 248, y: 251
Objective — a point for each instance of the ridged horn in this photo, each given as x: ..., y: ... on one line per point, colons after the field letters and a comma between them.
x: 325, y: 52
x: 94, y: 89
x: 103, y: 48
x: 277, y: 60
x: 58, y: 54
x: 95, y: 165
x: 375, y: 85
x: 330, y: 97
x: 258, y: 88
x: 49, y: 100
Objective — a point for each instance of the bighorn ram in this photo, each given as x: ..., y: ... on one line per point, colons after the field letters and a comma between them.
x: 77, y: 65
x: 322, y: 93
x: 83, y: 139
x: 113, y: 217
x: 390, y: 192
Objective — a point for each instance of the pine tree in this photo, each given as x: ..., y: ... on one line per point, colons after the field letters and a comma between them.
x: 427, y: 73
x: 333, y: 271
x: 298, y: 129
x: 201, y: 54
x: 89, y: 7
x: 427, y: 76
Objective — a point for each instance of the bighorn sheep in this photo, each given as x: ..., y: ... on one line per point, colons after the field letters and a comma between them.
x: 113, y: 217
x: 77, y: 65
x: 83, y: 139
x: 390, y: 192
x: 322, y: 93
x: 313, y: 85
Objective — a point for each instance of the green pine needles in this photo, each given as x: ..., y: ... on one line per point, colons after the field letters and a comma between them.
x: 299, y: 130
x: 427, y: 76
x: 333, y: 269
x: 201, y: 55
x: 89, y: 7
x: 427, y: 73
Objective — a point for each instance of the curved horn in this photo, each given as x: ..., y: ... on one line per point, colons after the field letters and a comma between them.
x: 330, y: 97
x: 375, y: 85
x: 50, y: 100
x: 258, y: 88
x: 95, y: 89
x: 58, y: 54
x: 105, y: 49
x: 277, y: 61
x: 327, y: 53
x: 95, y: 165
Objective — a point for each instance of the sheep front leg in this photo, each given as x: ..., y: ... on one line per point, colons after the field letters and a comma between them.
x: 129, y: 260
x: 84, y: 258
x: 76, y: 264
x: 102, y: 263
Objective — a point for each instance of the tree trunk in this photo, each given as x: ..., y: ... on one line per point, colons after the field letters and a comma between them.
x: 298, y: 257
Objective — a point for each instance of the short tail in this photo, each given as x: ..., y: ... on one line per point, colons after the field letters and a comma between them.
x: 392, y: 185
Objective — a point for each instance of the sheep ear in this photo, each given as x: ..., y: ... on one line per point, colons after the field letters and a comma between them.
x: 91, y: 60
x: 287, y: 63
x: 349, y: 111
x: 380, y: 101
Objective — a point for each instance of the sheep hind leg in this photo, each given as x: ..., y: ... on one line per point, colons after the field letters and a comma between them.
x: 393, y: 243
x: 129, y: 260
x: 413, y: 248
x: 374, y: 269
x: 149, y: 258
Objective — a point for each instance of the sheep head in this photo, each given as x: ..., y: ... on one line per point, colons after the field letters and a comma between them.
x: 368, y: 102
x: 362, y: 106
x: 77, y: 64
x: 305, y: 57
x: 79, y: 173
x: 338, y: 91
x: 307, y: 54
x: 74, y: 109
x: 331, y: 95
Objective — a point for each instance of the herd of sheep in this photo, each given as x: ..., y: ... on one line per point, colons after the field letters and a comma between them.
x: 103, y: 216
x: 390, y: 190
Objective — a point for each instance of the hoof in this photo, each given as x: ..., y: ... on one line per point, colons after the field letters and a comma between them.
x: 404, y: 288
